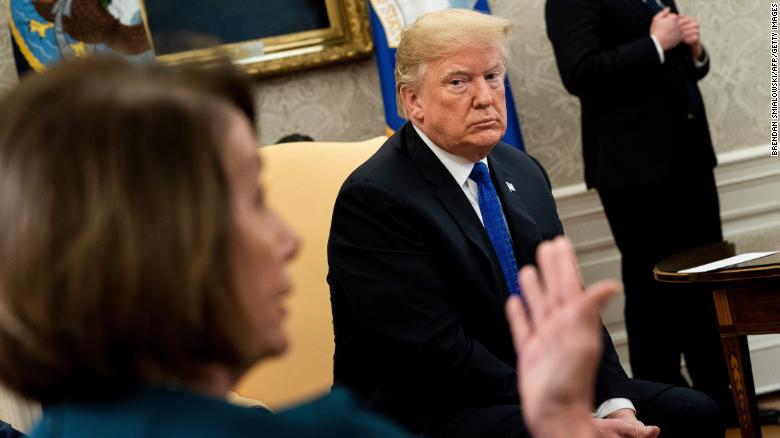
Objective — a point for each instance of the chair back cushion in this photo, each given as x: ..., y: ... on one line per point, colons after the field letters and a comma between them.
x: 301, y: 182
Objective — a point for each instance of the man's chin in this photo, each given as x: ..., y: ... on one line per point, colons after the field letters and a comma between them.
x: 481, y: 150
x: 487, y: 139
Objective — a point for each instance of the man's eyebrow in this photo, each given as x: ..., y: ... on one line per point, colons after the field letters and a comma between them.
x: 498, y: 66
x: 456, y: 71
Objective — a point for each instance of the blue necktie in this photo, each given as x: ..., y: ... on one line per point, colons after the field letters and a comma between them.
x: 493, y: 218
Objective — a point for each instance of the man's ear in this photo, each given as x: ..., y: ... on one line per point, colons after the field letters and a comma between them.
x: 413, y: 103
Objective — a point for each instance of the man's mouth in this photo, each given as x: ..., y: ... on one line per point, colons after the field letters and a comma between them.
x: 485, y: 123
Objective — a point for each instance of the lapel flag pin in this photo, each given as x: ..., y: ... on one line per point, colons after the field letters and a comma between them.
x: 511, y: 186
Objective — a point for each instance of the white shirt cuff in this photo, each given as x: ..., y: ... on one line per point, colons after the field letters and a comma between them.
x: 658, y: 48
x: 703, y: 62
x: 611, y: 405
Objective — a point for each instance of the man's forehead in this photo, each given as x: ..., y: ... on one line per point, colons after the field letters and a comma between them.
x: 469, y: 57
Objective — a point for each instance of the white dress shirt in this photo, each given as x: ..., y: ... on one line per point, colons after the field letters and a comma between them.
x: 460, y: 169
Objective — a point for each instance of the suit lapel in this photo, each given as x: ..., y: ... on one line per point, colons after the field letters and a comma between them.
x: 522, y: 227
x: 451, y: 197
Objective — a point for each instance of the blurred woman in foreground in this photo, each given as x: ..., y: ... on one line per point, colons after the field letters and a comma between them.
x: 142, y: 273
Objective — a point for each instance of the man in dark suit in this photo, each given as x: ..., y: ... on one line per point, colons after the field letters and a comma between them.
x: 425, y: 243
x: 634, y: 64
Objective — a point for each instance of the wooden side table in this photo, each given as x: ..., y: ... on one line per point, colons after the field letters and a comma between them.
x: 747, y: 302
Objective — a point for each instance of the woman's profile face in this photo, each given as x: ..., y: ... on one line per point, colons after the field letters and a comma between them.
x: 261, y: 243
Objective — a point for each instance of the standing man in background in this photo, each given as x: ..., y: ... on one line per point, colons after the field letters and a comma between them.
x: 634, y: 65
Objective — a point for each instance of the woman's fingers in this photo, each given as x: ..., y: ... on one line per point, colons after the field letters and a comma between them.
x: 601, y: 292
x: 549, y: 268
x: 518, y: 322
x: 533, y: 293
x: 570, y: 283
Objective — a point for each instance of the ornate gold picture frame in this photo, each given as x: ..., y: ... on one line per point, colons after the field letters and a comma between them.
x: 347, y: 37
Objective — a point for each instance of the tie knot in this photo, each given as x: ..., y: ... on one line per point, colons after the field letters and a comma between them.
x: 479, y: 173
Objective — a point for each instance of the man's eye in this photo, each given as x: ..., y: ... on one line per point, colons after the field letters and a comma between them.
x: 456, y: 82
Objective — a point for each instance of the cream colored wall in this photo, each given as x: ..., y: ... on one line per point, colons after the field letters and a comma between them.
x: 339, y: 103
x: 343, y: 103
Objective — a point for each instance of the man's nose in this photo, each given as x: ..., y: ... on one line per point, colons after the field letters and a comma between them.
x: 482, y: 94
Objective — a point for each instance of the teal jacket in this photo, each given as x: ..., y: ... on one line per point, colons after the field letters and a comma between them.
x: 174, y: 413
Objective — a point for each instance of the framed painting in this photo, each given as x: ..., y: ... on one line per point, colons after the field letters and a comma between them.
x: 264, y: 37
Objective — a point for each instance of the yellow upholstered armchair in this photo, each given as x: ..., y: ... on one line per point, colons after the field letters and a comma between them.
x: 301, y: 182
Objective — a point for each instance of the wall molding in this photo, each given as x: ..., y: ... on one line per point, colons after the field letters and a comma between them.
x: 748, y: 183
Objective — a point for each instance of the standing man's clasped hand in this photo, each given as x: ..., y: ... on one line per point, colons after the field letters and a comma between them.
x: 671, y: 29
x: 691, y: 35
x: 666, y: 29
x: 557, y: 337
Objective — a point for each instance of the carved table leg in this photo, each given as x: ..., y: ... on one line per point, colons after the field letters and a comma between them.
x: 737, y: 354
x: 735, y: 349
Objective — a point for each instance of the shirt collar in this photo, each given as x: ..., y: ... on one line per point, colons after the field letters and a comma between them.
x: 459, y: 167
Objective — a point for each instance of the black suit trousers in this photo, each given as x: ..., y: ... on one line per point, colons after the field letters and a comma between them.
x: 679, y: 412
x: 665, y: 321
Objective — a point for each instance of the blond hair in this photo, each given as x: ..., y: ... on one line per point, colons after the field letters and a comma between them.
x: 435, y: 35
